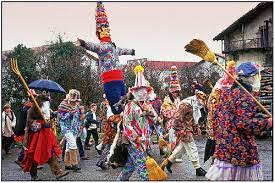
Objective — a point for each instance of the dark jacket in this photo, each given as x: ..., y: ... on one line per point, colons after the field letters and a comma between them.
x: 90, y: 120
x: 21, y: 124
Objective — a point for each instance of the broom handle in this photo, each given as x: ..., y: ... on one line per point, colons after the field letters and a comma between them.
x: 259, y: 104
x: 35, y: 102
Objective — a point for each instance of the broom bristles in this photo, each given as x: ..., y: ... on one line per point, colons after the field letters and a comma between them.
x: 162, y: 143
x: 199, y: 48
x: 154, y: 171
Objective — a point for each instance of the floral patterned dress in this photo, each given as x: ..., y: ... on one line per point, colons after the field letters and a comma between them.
x: 108, y: 55
x: 235, y: 122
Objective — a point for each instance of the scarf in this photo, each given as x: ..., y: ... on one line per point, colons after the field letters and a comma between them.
x: 105, y: 39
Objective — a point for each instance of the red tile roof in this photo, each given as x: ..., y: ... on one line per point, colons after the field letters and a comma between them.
x: 164, y: 65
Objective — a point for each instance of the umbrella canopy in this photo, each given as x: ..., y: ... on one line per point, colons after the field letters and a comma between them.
x: 48, y: 85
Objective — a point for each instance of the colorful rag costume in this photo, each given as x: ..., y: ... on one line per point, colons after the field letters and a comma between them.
x: 168, y: 110
x: 108, y: 54
x: 70, y: 122
x: 184, y: 127
x: 152, y: 116
x: 213, y: 100
x: 135, y: 129
x: 41, y: 143
x: 235, y: 124
x: 109, y: 130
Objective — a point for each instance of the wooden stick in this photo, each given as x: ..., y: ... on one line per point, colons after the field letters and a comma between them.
x: 15, y: 69
x: 261, y: 106
x: 113, y: 146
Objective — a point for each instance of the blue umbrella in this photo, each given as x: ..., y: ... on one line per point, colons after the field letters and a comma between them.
x: 48, y: 85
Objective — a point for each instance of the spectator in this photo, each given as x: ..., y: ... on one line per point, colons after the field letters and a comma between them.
x: 8, y: 122
x: 91, y: 125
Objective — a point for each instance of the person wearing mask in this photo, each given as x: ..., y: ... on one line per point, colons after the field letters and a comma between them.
x: 40, y: 143
x: 235, y: 122
x: 174, y: 94
x: 136, y: 129
x: 69, y: 119
x: 108, y: 54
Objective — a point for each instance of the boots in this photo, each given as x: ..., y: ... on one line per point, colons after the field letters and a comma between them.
x: 33, y: 172
x: 70, y: 160
x: 75, y: 168
x: 63, y: 174
x: 161, y: 152
x: 168, y: 166
x: 56, y: 168
x: 35, y: 178
x: 103, y: 166
x: 200, y: 172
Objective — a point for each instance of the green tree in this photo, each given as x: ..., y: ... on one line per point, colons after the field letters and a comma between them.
x: 13, y: 90
x: 69, y: 66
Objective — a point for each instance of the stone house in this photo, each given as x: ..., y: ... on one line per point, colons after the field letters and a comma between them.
x: 250, y: 37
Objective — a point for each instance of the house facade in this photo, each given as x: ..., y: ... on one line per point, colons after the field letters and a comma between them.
x: 250, y: 38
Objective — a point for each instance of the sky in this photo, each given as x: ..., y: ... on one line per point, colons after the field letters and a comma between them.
x: 156, y: 30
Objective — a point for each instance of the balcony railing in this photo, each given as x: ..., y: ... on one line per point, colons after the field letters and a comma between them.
x: 236, y: 45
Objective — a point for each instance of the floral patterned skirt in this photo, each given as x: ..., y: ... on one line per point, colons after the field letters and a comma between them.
x: 222, y: 170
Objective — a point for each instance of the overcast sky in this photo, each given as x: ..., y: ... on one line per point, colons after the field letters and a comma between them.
x: 156, y: 30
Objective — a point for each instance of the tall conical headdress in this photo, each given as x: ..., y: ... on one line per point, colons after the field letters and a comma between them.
x: 174, y: 82
x: 100, y: 17
x: 140, y: 79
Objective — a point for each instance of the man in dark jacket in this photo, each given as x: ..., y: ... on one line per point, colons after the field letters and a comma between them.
x: 20, y: 126
x: 91, y: 125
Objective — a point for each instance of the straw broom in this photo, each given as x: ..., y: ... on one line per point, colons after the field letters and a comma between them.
x: 199, y: 48
x: 154, y: 170
x: 155, y: 173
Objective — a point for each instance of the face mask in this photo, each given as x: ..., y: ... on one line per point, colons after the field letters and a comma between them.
x: 141, y: 94
x: 152, y: 96
x: 46, y: 109
x: 256, y: 84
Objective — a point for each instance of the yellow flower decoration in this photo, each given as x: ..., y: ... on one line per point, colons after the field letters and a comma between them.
x: 138, y: 68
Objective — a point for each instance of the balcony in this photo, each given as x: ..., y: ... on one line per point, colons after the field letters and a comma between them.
x: 237, y: 45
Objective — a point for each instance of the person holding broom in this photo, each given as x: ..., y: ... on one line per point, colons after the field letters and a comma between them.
x: 213, y: 100
x: 135, y: 129
x: 235, y: 123
x: 183, y: 127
